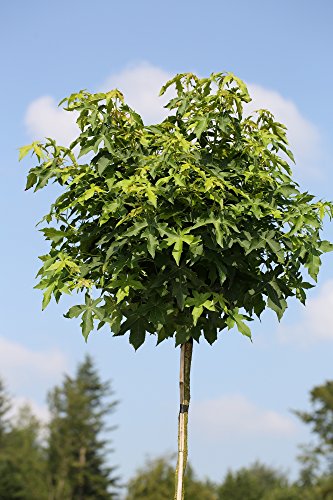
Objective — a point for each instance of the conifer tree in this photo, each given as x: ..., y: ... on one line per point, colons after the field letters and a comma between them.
x: 77, y: 448
x: 22, y: 457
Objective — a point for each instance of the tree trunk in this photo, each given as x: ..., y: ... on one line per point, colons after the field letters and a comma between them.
x: 184, y: 392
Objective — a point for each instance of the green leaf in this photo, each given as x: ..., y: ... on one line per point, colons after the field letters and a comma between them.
x: 230, y: 322
x: 179, y: 292
x: 274, y: 245
x: 89, y: 310
x: 111, y: 314
x: 24, y: 150
x: 273, y: 295
x: 91, y: 145
x: 288, y: 189
x: 157, y: 315
x: 74, y: 312
x: 31, y: 181
x: 218, y: 233
x: 122, y: 293
x: 210, y: 334
x: 162, y: 334
x: 151, y: 196
x: 102, y: 164
x: 38, y: 151
x: 47, y: 296
x: 298, y: 224
x: 152, y: 243
x: 57, y: 266
x: 196, y: 313
x: 182, y: 336
x: 279, y: 310
x: 177, y: 250
x: 313, y: 264
x: 137, y: 337
x: 276, y: 248
x: 53, y: 234
x: 200, y: 126
x: 255, y: 244
x: 290, y: 155
x: 87, y: 323
x: 137, y: 327
x: 135, y: 229
x: 326, y: 246
x: 242, y: 327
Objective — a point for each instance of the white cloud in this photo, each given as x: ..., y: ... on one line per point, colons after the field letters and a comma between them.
x: 303, y: 136
x: 38, y: 410
x: 314, y: 323
x: 141, y: 84
x: 44, y: 119
x: 235, y: 414
x: 23, y: 368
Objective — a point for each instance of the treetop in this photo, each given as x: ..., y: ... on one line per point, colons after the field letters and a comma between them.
x: 181, y: 228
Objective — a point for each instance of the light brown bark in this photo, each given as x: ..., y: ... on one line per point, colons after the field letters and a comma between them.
x: 184, y: 393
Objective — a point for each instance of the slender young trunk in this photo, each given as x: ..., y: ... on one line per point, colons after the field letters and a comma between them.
x: 184, y: 392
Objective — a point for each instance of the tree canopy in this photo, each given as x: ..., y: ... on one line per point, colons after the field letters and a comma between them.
x: 183, y: 228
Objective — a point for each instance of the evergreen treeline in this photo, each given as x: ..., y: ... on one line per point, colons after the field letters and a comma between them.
x: 67, y: 458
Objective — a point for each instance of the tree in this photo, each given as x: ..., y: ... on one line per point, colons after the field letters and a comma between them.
x: 257, y: 482
x: 180, y: 229
x: 77, y: 445
x: 155, y: 481
x: 23, y: 465
x: 22, y: 457
x: 317, y: 459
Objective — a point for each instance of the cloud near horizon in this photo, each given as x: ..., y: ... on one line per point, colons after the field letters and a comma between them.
x: 314, y: 321
x: 235, y: 414
x: 40, y: 411
x: 28, y: 371
x: 141, y: 84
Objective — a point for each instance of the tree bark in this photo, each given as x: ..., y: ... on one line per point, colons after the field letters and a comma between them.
x: 184, y: 393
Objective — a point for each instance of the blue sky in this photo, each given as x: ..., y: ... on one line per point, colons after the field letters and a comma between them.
x: 242, y: 393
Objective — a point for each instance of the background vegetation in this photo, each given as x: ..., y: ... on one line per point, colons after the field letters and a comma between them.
x: 68, y: 458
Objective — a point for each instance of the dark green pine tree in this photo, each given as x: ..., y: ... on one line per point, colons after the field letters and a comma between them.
x: 77, y: 446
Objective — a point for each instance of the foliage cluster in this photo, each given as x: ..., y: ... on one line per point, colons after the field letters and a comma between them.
x: 181, y: 228
x: 256, y: 482
x: 31, y: 468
